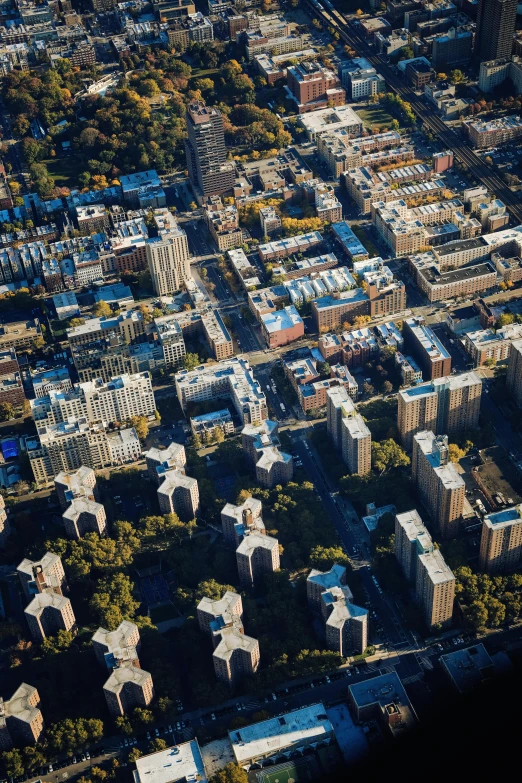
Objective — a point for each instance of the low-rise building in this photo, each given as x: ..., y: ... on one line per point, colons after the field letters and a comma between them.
x: 383, y: 698
x: 282, y: 248
x: 270, y: 738
x: 492, y: 133
x: 282, y: 327
x: 331, y: 119
x: 469, y: 668
x: 181, y: 762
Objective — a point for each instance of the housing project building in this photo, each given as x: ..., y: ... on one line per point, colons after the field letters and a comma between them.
x: 21, y: 720
x: 440, y: 487
x: 501, y: 541
x: 348, y: 431
x: 345, y: 624
x: 236, y: 655
x: 443, y: 406
x: 424, y: 566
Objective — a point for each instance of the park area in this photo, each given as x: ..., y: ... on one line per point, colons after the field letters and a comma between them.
x: 375, y: 117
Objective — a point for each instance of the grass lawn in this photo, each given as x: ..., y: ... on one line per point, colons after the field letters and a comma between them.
x: 64, y: 171
x: 374, y: 116
x: 203, y: 74
x: 362, y: 236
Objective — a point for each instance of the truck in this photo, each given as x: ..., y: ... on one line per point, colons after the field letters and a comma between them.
x: 282, y: 407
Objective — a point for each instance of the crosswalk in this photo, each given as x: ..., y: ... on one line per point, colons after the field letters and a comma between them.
x: 250, y: 705
x: 412, y: 678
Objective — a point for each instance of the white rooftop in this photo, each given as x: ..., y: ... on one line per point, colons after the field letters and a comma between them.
x: 181, y: 762
x: 276, y: 734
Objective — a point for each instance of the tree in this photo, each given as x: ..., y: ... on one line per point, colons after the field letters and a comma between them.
x: 324, y: 369
x: 211, y: 589
x: 141, y: 426
x: 135, y: 754
x: 455, y: 453
x: 74, y: 733
x: 219, y: 435
x: 142, y: 718
x: 7, y: 411
x: 368, y: 388
x: 388, y: 454
x: 157, y: 744
x: 456, y: 76
x: 325, y: 557
x: 505, y: 320
x: 113, y: 601
x: 61, y: 641
x: 477, y: 615
x: 232, y: 773
x: 191, y: 361
x: 102, y: 309
x: 13, y: 763
x: 387, y: 387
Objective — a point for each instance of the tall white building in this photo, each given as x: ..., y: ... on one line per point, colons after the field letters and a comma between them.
x: 97, y: 402
x: 435, y: 589
x: 169, y: 261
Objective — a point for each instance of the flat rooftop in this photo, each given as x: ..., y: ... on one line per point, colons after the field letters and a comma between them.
x: 469, y: 667
x: 283, y: 731
x: 504, y: 518
x: 178, y: 763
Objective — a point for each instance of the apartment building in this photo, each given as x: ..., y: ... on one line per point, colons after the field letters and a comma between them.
x: 270, y: 220
x: 492, y: 133
x: 68, y: 446
x: 79, y: 483
x: 356, y: 440
x: 313, y: 87
x: 442, y: 285
x: 410, y: 371
x: 223, y: 223
x: 57, y: 379
x: 261, y: 448
x: 487, y: 344
x: 314, y: 395
x: 319, y: 582
x: 411, y: 540
x: 179, y: 494
x: 113, y: 648
x: 514, y: 374
x: 47, y: 614
x: 256, y: 555
x: 237, y: 521
x: 168, y: 260
x: 435, y: 589
x: 426, y: 349
x: 501, y: 541
x: 159, y: 461
x: 235, y: 657
x: 440, y: 487
x: 21, y: 720
x: 98, y: 402
x: 213, y: 615
x: 333, y: 310
x: 341, y: 152
x: 282, y: 248
x: 128, y: 687
x: 170, y: 338
x: 92, y: 219
x: 352, y: 348
x: 360, y: 79
x: 130, y: 326
x: 282, y: 327
x: 84, y: 516
x: 210, y: 324
x: 42, y: 576
x: 346, y: 625
x: 209, y: 171
x: 444, y: 406
x: 234, y: 379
